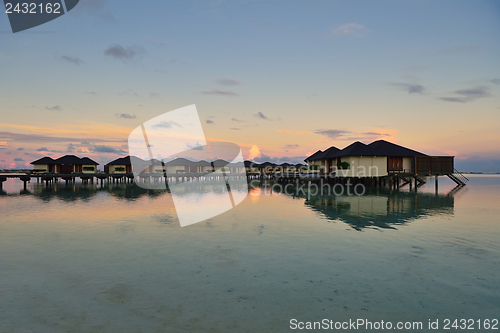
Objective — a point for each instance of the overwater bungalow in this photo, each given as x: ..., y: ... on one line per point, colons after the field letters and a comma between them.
x: 67, y: 164
x: 120, y: 165
x: 380, y: 159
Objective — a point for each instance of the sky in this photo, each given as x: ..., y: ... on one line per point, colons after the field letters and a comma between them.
x: 282, y: 79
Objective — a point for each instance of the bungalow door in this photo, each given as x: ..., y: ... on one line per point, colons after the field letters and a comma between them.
x: 66, y: 169
x: 395, y: 164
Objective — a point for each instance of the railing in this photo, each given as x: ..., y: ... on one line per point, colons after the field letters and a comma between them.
x: 460, y: 176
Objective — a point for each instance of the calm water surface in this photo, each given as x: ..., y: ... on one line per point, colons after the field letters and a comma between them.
x: 114, y: 259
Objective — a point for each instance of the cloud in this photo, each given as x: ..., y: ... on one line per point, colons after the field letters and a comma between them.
x: 27, y: 154
x: 260, y: 115
x: 208, y: 121
x: 20, y: 148
x: 291, y: 146
x: 54, y: 108
x: 254, y: 152
x: 155, y: 95
x: 452, y: 99
x: 496, y: 81
x: 284, y: 131
x: 411, y: 88
x: 468, y: 95
x: 333, y: 133
x: 225, y: 81
x: 221, y: 93
x: 237, y: 120
x: 17, y: 159
x: 167, y: 124
x: 2, y: 161
x: 351, y: 29
x: 125, y: 115
x: 376, y: 134
x: 38, y: 138
x: 91, y: 92
x: 45, y: 149
x: 106, y: 149
x: 72, y: 59
x: 129, y: 93
x: 124, y: 53
x: 235, y: 129
x: 71, y: 148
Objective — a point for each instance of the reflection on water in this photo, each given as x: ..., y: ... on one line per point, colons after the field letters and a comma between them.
x: 115, y: 259
x: 376, y: 208
x: 383, y: 209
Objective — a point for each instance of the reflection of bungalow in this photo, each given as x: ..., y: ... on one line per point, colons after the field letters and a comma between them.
x: 120, y: 165
x: 379, y: 159
x: 65, y: 165
x: 382, y: 210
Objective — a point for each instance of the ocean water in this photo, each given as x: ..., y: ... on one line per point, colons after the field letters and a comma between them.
x: 91, y: 258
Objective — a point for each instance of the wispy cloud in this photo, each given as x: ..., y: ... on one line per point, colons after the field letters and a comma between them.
x: 167, y: 124
x: 221, y: 93
x: 410, y: 88
x: 91, y: 93
x: 260, y: 115
x: 284, y: 131
x: 496, y: 81
x: 125, y: 115
x: 106, y: 149
x: 129, y: 93
x: 237, y: 120
x: 45, y: 149
x: 54, y: 108
x: 225, y: 81
x: 155, y: 95
x: 468, y: 95
x: 235, y: 129
x: 72, y: 59
x: 125, y: 53
x: 17, y: 159
x: 208, y: 121
x: 351, y: 29
x: 453, y: 99
x: 333, y: 133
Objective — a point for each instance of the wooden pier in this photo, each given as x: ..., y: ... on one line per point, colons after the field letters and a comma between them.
x: 393, y: 180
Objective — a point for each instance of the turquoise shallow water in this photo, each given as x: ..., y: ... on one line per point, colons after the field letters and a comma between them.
x: 114, y: 259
